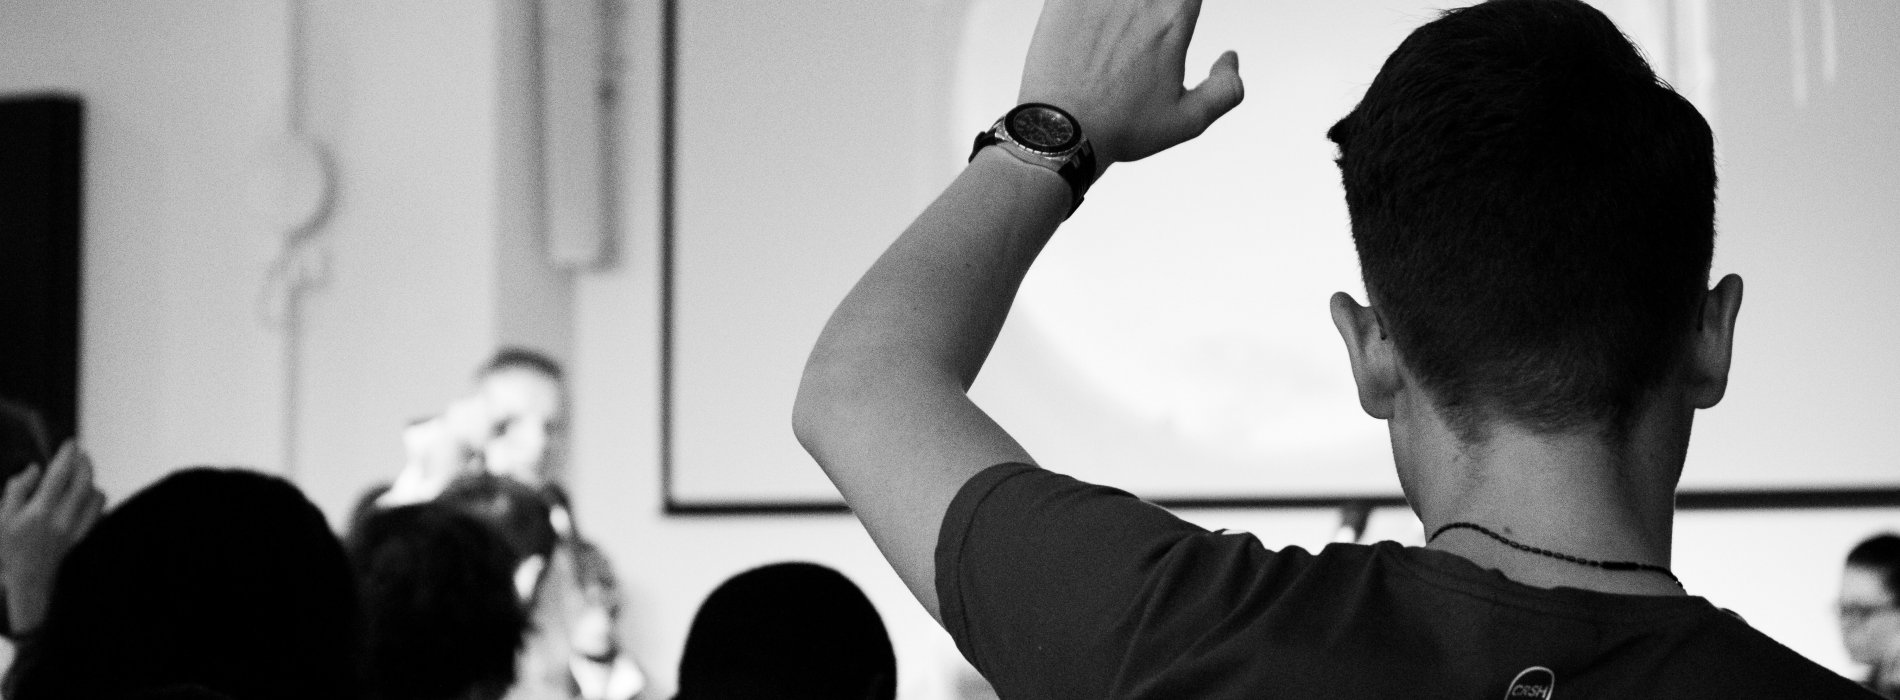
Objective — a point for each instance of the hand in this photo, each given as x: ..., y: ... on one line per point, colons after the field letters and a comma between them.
x: 44, y: 512
x: 1118, y: 65
x: 439, y: 450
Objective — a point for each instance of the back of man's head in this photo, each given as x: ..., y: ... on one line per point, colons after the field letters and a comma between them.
x: 788, y: 631
x: 221, y: 580
x: 1534, y: 215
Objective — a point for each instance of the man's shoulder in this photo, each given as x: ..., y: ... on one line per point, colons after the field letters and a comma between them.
x: 1722, y: 651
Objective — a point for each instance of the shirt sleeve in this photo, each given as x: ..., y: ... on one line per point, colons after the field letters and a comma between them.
x: 1045, y: 581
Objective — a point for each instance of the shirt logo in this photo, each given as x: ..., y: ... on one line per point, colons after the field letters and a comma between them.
x: 1534, y: 683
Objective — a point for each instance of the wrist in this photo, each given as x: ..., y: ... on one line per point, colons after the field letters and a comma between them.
x: 1033, y: 180
x: 26, y: 606
x: 1048, y: 136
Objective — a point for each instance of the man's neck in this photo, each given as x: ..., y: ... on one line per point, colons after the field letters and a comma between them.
x: 1577, y: 495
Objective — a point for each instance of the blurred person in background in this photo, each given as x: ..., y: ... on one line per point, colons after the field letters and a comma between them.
x: 1870, y: 611
x: 514, y: 425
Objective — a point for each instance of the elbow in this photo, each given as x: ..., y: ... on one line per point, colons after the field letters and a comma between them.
x: 805, y: 424
x: 844, y: 397
x: 816, y: 402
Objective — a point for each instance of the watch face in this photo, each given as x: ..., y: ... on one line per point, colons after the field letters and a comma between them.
x: 1042, y: 128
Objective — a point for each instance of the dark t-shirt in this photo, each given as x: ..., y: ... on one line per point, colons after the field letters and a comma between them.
x: 1055, y: 588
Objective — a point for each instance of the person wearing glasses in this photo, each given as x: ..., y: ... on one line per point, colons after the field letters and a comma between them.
x: 1870, y: 618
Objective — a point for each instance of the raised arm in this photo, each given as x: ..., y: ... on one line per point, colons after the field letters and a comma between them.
x: 883, y: 405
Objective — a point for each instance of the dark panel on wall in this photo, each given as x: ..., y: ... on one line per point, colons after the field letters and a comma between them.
x: 39, y: 255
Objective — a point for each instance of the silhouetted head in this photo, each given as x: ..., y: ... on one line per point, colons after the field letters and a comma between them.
x: 517, y: 511
x: 209, y: 582
x: 786, y: 631
x: 442, y: 619
x: 1534, y: 215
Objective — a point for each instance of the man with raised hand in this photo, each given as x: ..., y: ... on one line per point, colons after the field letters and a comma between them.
x: 1533, y: 212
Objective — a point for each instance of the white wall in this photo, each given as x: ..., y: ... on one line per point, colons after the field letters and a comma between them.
x: 176, y: 368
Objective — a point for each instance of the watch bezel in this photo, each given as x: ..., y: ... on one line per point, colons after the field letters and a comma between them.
x: 1061, y: 150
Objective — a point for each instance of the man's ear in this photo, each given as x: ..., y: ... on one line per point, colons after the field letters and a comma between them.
x: 1714, y: 342
x: 1375, y: 365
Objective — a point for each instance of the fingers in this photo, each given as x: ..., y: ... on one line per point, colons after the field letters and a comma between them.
x: 91, y: 508
x: 68, y: 513
x: 1217, y: 95
x: 20, y: 488
x: 61, y: 473
x: 1190, y: 16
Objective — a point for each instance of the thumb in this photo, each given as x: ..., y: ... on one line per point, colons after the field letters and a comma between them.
x: 1215, y: 96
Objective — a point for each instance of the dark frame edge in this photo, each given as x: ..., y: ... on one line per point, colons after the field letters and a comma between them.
x: 1762, y: 499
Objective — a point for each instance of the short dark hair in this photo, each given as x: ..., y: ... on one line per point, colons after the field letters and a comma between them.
x: 1534, y: 214
x: 439, y: 602
x: 222, y: 579
x: 1880, y: 553
x: 513, y: 357
x: 516, y: 510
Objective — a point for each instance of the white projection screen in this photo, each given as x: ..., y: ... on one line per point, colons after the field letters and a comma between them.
x: 1173, y: 340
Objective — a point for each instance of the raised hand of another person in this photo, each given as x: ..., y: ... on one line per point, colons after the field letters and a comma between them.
x: 439, y: 449
x: 45, y: 511
x: 1118, y: 67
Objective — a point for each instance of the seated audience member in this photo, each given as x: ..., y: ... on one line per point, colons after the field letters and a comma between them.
x: 789, y: 631
x: 47, y: 503
x: 1534, y: 216
x: 442, y: 618
x: 210, y: 582
x: 1870, y: 611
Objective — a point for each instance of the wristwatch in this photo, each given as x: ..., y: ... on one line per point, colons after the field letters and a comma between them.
x: 1045, y: 135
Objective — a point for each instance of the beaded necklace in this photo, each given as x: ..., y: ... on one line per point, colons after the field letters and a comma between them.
x: 1607, y: 565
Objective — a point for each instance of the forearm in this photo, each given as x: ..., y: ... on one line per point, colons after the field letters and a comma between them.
x: 882, y: 406
x: 931, y: 306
